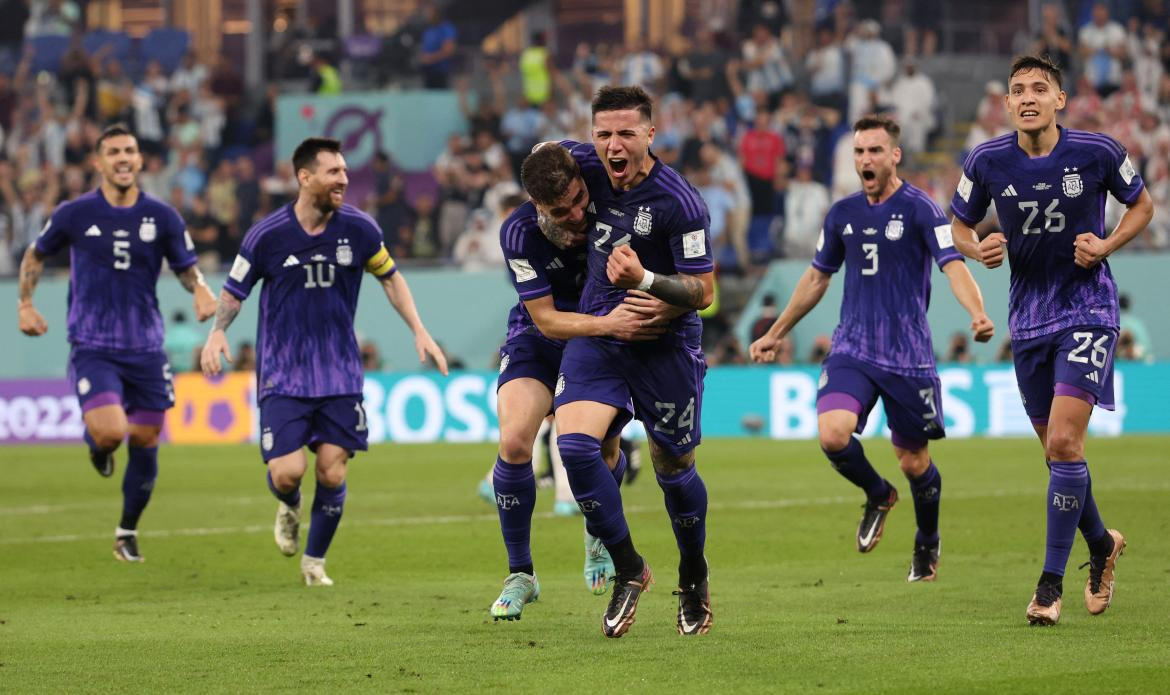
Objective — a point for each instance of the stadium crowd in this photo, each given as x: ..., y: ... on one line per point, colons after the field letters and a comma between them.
x: 757, y: 117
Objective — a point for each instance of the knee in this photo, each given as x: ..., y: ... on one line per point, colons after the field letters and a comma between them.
x: 578, y: 450
x: 144, y: 439
x: 284, y: 480
x: 108, y: 437
x: 1063, y: 445
x: 834, y: 439
x: 666, y: 464
x: 331, y: 476
x: 914, y: 463
x: 513, y: 449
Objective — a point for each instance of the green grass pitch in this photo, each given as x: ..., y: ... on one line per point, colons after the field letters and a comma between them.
x: 418, y: 559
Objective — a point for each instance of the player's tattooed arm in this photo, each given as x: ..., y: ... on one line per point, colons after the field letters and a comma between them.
x: 689, y: 291
x: 190, y: 278
x: 680, y: 290
x: 31, y: 267
x: 226, y: 311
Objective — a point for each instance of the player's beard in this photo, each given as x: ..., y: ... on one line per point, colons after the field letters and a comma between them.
x: 324, y: 201
x: 559, y: 236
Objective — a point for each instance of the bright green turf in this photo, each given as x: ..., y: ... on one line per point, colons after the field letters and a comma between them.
x: 418, y: 561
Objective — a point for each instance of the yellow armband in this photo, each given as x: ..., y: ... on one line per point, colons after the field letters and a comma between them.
x: 380, y: 264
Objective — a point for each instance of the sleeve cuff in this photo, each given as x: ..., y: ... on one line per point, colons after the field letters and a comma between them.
x: 825, y: 268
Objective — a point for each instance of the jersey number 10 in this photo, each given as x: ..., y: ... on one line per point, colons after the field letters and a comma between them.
x: 318, y: 278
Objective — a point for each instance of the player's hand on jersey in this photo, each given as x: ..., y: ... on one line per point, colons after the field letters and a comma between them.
x: 765, y: 349
x: 426, y: 345
x: 205, y: 303
x: 623, y: 267
x: 1090, y: 250
x: 982, y: 328
x: 634, y: 323
x: 991, y: 249
x: 652, y: 307
x: 217, y: 344
x: 31, y: 321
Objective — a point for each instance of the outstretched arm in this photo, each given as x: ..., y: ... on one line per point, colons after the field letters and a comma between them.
x: 808, y: 293
x: 966, y: 290
x: 192, y: 281
x: 217, y: 343
x: 31, y: 267
x: 688, y: 291
x: 398, y: 292
x: 1091, y: 249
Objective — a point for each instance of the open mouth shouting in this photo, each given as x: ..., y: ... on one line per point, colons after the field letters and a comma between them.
x: 868, y: 175
x: 619, y: 166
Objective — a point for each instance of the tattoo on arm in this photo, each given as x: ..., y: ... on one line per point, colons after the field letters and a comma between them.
x: 31, y: 268
x: 226, y: 312
x: 679, y: 290
x: 191, y: 278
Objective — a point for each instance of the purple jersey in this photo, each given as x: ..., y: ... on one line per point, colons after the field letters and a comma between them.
x: 115, y: 258
x: 887, y: 250
x: 1043, y: 203
x: 539, y: 268
x: 305, y: 344
x: 663, y: 218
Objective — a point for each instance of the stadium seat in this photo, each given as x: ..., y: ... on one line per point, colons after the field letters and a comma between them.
x: 167, y: 46
x: 47, y: 52
x: 116, y: 44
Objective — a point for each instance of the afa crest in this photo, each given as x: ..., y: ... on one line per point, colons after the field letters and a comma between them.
x: 894, y: 228
x: 344, y: 255
x: 147, y: 231
x: 643, y: 220
x: 504, y: 361
x: 1071, y: 184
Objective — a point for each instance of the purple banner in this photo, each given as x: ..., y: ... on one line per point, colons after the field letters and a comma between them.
x: 39, y: 411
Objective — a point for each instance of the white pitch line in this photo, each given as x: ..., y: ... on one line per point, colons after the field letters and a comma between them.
x: 440, y: 520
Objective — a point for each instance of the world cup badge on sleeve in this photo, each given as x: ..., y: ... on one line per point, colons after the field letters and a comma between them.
x: 1071, y: 184
x: 147, y: 231
x: 344, y: 255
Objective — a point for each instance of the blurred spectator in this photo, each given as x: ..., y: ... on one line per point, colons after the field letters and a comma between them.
x: 30, y: 200
x: 958, y: 351
x: 189, y: 76
x: 536, y: 70
x: 114, y: 92
x: 720, y: 204
x: 51, y: 18
x: 245, y: 357
x: 767, y: 66
x: 768, y: 314
x: 1141, y: 348
x: 279, y: 188
x: 923, y: 20
x: 221, y: 194
x: 1053, y: 38
x: 1004, y: 353
x: 874, y: 65
x: 726, y: 173
x: 1101, y: 43
x: 324, y: 78
x: 436, y: 49
x: 247, y: 193
x: 478, y: 248
x: 728, y: 351
x: 205, y: 232
x: 642, y: 67
x: 826, y: 69
x: 520, y: 127
x: 761, y: 150
x: 806, y: 203
x: 820, y: 349
x: 425, y: 236
x: 913, y: 98
x: 706, y: 70
x: 371, y: 356
x: 181, y: 341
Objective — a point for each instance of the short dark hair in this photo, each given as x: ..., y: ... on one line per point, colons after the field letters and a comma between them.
x: 113, y: 130
x: 1044, y: 64
x: 547, y: 173
x: 622, y: 98
x: 875, y: 120
x: 305, y: 156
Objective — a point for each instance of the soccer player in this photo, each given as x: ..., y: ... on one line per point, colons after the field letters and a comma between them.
x: 649, y: 233
x: 1049, y: 185
x: 118, y: 237
x: 543, y: 241
x: 311, y: 254
x: 886, y: 235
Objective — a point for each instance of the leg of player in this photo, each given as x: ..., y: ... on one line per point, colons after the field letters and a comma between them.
x: 522, y: 405
x: 328, y: 505
x: 1105, y: 545
x: 105, y: 428
x: 685, y: 496
x: 563, y: 502
x: 582, y: 426
x: 284, y: 481
x: 137, y: 482
x: 836, y: 423
x: 926, y: 487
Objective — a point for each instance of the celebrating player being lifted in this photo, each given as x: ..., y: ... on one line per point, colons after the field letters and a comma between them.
x: 311, y: 254
x: 118, y: 237
x: 886, y: 234
x: 1049, y: 185
x: 650, y: 233
x: 544, y: 242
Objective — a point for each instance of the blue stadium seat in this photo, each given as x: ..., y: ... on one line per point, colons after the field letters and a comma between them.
x: 47, y: 52
x: 167, y: 46
x: 116, y: 44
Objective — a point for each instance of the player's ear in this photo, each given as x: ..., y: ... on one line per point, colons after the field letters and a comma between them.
x: 650, y: 136
x: 897, y: 155
x: 1061, y: 99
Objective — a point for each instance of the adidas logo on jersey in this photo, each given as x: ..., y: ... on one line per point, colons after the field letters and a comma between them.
x: 1092, y: 376
x: 556, y: 263
x: 1009, y: 192
x: 290, y: 261
x: 93, y: 231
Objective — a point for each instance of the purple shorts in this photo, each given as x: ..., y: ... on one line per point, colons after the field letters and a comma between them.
x: 913, y: 404
x: 665, y: 384
x: 532, y: 357
x: 140, y: 382
x: 1075, y: 362
x: 287, y: 423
